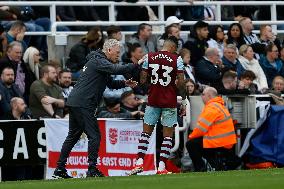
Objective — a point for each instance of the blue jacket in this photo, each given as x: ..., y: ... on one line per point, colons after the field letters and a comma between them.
x: 270, y: 71
x: 6, y: 95
x: 236, y: 67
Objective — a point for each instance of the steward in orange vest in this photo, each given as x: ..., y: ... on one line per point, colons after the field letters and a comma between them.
x: 214, y: 130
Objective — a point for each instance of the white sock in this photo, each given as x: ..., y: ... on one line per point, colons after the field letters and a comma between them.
x: 162, y: 166
x: 139, y: 161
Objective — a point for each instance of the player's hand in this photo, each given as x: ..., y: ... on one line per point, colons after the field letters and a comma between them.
x: 182, y: 111
x: 142, y: 60
x: 131, y: 83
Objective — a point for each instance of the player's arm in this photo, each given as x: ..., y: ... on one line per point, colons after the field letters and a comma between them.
x: 181, y: 85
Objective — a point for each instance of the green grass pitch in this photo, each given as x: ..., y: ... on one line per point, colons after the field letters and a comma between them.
x: 248, y: 179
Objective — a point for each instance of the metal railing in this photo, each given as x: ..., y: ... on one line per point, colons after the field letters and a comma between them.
x: 160, y: 4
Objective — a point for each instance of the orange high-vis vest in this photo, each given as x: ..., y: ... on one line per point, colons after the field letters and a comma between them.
x: 216, y: 126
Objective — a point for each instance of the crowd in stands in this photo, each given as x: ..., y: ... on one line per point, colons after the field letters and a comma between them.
x: 234, y: 62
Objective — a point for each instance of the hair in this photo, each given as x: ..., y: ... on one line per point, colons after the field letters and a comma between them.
x: 262, y: 29
x: 142, y: 27
x: 168, y: 30
x: 183, y: 52
x: 45, y: 69
x: 213, y: 31
x: 278, y: 77
x: 93, y: 36
x: 14, y: 101
x: 200, y: 24
x: 172, y: 40
x: 8, y: 68
x: 112, y: 29
x: 109, y: 44
x: 111, y: 102
x: 248, y: 74
x: 231, y: 46
x: 243, y: 19
x: 29, y: 59
x: 189, y: 80
x: 229, y: 75
x: 17, y: 25
x: 269, y: 47
x: 243, y: 49
x: 125, y: 95
x: 240, y: 40
x: 13, y: 44
x: 210, y: 52
x: 66, y: 70
x: 132, y: 47
x: 55, y: 63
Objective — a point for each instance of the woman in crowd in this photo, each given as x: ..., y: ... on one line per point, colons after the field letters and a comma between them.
x: 217, y: 36
x: 248, y: 61
x: 235, y: 35
x: 31, y: 58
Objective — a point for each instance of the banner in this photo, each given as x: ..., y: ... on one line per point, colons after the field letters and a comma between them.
x: 118, y: 148
x: 22, y: 143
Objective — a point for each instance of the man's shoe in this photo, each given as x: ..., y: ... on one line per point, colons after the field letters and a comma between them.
x: 95, y: 172
x: 136, y: 170
x: 60, y: 174
x: 164, y: 172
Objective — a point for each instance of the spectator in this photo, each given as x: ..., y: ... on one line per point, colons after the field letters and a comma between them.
x: 207, y: 70
x: 248, y: 61
x: 217, y: 38
x: 172, y: 30
x: 267, y: 36
x: 16, y: 33
x: 230, y: 60
x: 235, y: 35
x: 113, y: 110
x: 46, y: 99
x: 143, y: 37
x: 214, y: 133
x: 131, y: 103
x: 278, y: 84
x: 250, y: 37
x: 91, y: 41
x: 114, y: 32
x: 191, y: 88
x: 188, y: 69
x: 8, y: 90
x: 271, y: 64
x: 173, y: 21
x: 31, y: 58
x: 197, y: 43
x: 281, y: 55
x: 23, y: 76
x: 135, y: 53
x: 246, y: 82
x: 18, y: 110
x: 65, y: 82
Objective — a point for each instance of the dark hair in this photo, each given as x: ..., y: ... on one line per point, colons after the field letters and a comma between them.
x: 125, y: 95
x: 132, y: 47
x: 111, y: 102
x: 269, y: 47
x: 142, y: 27
x: 213, y: 30
x: 172, y: 39
x: 112, y: 29
x: 248, y: 74
x: 200, y: 24
x: 240, y: 40
x: 229, y: 74
x: 66, y: 70
x: 45, y: 69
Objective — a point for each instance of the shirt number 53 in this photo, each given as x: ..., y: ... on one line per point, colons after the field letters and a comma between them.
x: 166, y: 78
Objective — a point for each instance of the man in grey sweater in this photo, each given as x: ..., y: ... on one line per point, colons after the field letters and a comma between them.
x: 84, y: 100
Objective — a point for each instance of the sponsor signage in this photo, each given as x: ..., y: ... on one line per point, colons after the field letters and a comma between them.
x: 22, y: 142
